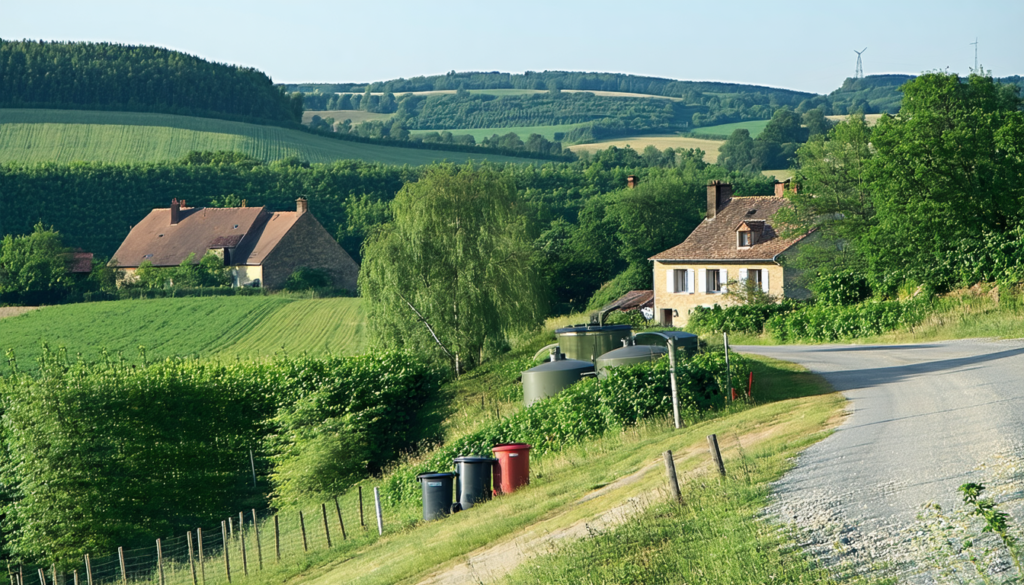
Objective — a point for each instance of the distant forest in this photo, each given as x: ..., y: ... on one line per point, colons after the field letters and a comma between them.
x: 105, y: 76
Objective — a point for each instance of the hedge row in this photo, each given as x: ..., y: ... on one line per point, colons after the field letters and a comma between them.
x: 831, y: 323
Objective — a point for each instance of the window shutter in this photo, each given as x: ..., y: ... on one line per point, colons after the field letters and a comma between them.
x: 689, y: 280
x: 702, y: 280
x: 671, y: 284
x: 743, y: 275
x: 723, y: 276
x: 764, y: 280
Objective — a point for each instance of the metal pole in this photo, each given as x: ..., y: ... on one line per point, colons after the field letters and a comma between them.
x: 252, y: 462
x: 728, y: 370
x: 672, y: 380
x: 380, y: 517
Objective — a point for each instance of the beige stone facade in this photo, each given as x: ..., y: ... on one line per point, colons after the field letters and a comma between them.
x: 307, y: 244
x: 675, y: 298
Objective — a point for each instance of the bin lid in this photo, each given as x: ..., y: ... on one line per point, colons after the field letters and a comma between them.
x: 512, y: 447
x: 634, y: 351
x: 423, y: 476
x: 475, y: 459
x: 584, y: 329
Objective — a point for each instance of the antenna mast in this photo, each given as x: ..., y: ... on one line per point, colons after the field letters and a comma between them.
x: 860, y: 69
x: 975, y: 43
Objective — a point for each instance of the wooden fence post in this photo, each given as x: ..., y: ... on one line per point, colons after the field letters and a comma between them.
x: 337, y: 508
x: 231, y: 528
x: 256, y: 532
x: 241, y: 545
x: 191, y: 557
x: 160, y: 561
x: 74, y: 576
x: 120, y: 557
x: 380, y: 517
x: 88, y: 571
x: 716, y: 454
x: 302, y: 526
x: 327, y: 530
x: 224, y: 541
x: 673, y: 479
x: 362, y: 524
x: 202, y: 561
x: 42, y: 577
x: 277, y: 539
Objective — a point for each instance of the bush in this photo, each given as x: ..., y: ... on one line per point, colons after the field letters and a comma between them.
x: 307, y: 278
x: 831, y: 323
x: 737, y: 318
x: 843, y: 287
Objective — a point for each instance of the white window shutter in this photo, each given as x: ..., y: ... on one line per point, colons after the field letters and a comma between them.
x: 671, y: 283
x: 764, y: 280
x: 743, y: 275
x: 689, y: 280
x: 702, y: 280
x: 723, y: 275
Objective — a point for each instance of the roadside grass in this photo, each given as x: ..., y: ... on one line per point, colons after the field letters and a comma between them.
x: 758, y: 442
x: 638, y: 143
x: 755, y: 127
x: 64, y: 136
x: 223, y: 327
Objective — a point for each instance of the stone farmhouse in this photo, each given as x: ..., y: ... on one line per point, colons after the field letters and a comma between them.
x: 736, y: 242
x: 263, y: 248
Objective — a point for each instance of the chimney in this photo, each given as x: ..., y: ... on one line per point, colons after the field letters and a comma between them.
x: 632, y: 181
x: 781, y: 187
x: 175, y: 212
x: 301, y: 205
x: 719, y: 194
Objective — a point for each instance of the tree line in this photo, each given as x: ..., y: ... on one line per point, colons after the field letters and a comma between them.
x: 108, y: 76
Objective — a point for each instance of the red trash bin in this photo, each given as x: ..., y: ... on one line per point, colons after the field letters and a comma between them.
x: 513, y: 468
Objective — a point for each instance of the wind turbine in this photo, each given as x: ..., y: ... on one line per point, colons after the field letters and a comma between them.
x: 860, y: 67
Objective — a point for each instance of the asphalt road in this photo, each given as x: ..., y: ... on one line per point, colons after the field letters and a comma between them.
x: 923, y: 419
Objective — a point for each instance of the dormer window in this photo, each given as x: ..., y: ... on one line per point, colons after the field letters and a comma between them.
x: 746, y: 239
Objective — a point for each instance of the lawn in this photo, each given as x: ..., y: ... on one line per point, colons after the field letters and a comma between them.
x: 755, y: 127
x: 638, y: 143
x: 65, y: 136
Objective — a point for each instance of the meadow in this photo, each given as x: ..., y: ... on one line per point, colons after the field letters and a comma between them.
x: 638, y: 143
x: 523, y: 131
x: 225, y: 327
x: 65, y: 136
x: 755, y: 127
x: 357, y: 116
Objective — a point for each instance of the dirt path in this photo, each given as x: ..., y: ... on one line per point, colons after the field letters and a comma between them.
x: 14, y: 311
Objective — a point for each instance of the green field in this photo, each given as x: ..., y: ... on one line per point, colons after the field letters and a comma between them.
x: 754, y: 126
x: 64, y: 136
x: 357, y: 116
x: 523, y: 131
x: 210, y: 326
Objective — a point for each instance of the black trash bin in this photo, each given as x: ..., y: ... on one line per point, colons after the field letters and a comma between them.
x: 474, y: 480
x: 437, y: 494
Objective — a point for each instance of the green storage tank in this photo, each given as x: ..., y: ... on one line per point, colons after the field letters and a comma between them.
x: 628, y: 356
x: 686, y: 342
x: 587, y: 342
x: 550, y: 378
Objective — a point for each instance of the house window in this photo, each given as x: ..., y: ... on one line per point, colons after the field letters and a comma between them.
x: 680, y: 278
x: 745, y: 239
x: 754, y: 277
x: 714, y: 281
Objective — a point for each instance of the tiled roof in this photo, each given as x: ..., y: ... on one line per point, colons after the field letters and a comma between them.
x: 258, y: 245
x: 81, y: 263
x: 715, y: 239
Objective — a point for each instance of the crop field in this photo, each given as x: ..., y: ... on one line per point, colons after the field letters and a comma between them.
x: 871, y: 119
x: 209, y: 326
x: 64, y: 136
x: 357, y: 116
x: 638, y: 143
x: 523, y: 131
x: 755, y: 127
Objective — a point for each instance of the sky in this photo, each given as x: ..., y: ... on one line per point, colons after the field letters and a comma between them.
x: 806, y: 46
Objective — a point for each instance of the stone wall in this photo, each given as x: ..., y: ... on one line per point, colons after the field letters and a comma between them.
x: 308, y: 244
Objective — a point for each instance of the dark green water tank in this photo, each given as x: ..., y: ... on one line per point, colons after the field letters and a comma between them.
x: 587, y: 342
x: 686, y: 342
x: 628, y: 356
x: 550, y: 378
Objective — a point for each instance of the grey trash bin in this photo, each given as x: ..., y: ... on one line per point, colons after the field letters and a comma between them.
x: 437, y: 495
x: 474, y: 480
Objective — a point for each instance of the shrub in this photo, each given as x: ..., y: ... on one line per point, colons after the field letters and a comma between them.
x: 843, y: 287
x: 307, y: 278
x: 737, y: 318
x: 831, y: 323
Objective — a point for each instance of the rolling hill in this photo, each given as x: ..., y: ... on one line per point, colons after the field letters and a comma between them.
x: 65, y: 136
x: 226, y: 327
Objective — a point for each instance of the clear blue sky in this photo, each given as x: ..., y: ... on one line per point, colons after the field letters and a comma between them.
x: 800, y: 45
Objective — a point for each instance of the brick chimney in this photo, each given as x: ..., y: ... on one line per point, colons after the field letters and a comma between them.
x: 632, y: 181
x: 301, y: 205
x: 175, y: 212
x: 719, y: 194
x: 781, y: 187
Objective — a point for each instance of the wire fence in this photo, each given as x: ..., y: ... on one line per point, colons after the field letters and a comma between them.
x: 242, y: 545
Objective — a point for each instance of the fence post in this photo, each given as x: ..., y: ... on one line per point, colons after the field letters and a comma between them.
x: 160, y: 561
x: 224, y: 541
x: 75, y: 576
x: 362, y: 524
x: 256, y: 532
x: 337, y: 508
x: 728, y: 369
x: 380, y: 517
x: 202, y: 561
x: 673, y: 479
x: 191, y: 557
x: 327, y: 530
x: 302, y: 526
x: 241, y: 544
x: 42, y: 577
x: 750, y: 384
x: 120, y: 557
x: 716, y: 454
x: 231, y: 528
x: 53, y: 574
x: 277, y: 539
x: 88, y: 571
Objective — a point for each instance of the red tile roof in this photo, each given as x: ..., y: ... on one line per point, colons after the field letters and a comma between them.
x: 156, y: 240
x: 715, y: 239
x: 81, y: 263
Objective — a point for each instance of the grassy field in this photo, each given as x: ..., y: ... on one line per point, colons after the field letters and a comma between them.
x: 871, y: 119
x: 210, y: 326
x: 638, y: 143
x: 357, y: 116
x: 755, y: 127
x: 64, y: 136
x: 523, y: 131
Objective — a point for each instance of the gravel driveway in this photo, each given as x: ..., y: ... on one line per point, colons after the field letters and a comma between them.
x: 923, y: 419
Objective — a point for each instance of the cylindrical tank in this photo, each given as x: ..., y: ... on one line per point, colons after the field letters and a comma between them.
x: 627, y: 356
x: 587, y: 342
x: 550, y: 378
x: 685, y: 342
